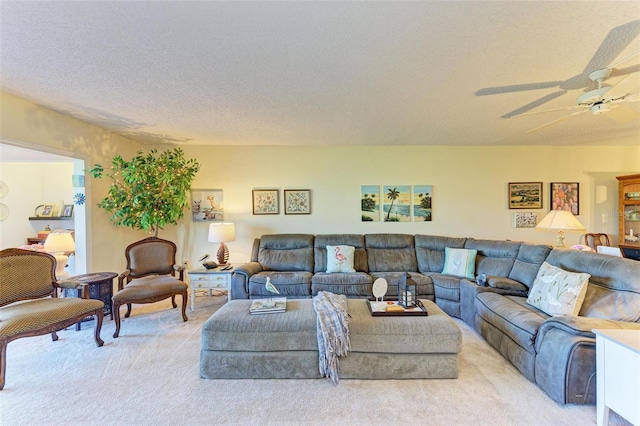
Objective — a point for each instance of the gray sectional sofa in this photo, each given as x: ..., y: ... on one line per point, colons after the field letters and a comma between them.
x: 556, y: 352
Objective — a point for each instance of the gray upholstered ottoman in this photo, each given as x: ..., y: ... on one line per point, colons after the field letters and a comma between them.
x: 237, y: 345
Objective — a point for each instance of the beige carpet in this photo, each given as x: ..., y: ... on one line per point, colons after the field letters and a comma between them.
x: 149, y: 376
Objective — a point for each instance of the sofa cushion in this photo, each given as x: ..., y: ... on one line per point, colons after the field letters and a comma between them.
x: 340, y: 258
x: 613, y: 291
x: 503, y: 283
x: 289, y: 284
x: 530, y: 257
x: 286, y: 252
x: 494, y: 257
x: 424, y: 283
x: 321, y: 242
x: 558, y: 292
x: 391, y: 253
x: 430, y: 251
x: 459, y: 262
x: 446, y: 287
x: 357, y: 284
x: 512, y: 316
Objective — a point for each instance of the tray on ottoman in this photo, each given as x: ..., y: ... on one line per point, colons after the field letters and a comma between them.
x: 236, y: 344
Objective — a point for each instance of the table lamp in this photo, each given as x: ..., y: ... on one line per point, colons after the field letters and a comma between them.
x: 59, y: 243
x: 561, y: 221
x: 222, y: 233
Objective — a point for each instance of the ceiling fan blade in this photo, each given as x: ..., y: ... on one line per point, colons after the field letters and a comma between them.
x: 627, y: 85
x: 623, y: 60
x: 569, y: 108
x: 623, y: 114
x: 516, y: 88
x: 556, y: 121
x: 613, y: 45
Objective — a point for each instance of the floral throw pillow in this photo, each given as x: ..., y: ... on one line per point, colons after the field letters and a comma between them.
x: 460, y: 262
x: 340, y: 258
x: 558, y: 292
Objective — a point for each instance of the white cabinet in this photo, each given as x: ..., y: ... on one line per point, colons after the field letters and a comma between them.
x: 209, y: 279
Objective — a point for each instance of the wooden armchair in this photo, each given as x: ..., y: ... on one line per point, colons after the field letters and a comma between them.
x: 150, y: 277
x: 28, y: 277
x: 595, y: 240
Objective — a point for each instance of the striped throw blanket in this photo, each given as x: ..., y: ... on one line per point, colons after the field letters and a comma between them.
x: 333, y: 332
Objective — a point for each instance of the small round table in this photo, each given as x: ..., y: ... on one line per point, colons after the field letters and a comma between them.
x: 100, y: 288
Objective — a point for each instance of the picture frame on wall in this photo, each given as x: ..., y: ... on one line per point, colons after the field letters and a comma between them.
x: 266, y: 201
x: 565, y: 196
x: 207, y: 205
x: 525, y: 195
x: 297, y: 201
x: 47, y: 210
x: 396, y: 203
x: 67, y: 210
x: 422, y: 203
x: 525, y: 219
x: 370, y: 203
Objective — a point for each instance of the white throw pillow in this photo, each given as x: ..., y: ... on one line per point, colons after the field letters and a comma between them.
x: 460, y: 262
x: 340, y: 258
x: 558, y: 292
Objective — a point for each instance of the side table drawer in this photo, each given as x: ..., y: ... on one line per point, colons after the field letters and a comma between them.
x: 209, y: 280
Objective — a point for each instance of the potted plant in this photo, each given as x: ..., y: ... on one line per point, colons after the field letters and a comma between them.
x: 149, y: 191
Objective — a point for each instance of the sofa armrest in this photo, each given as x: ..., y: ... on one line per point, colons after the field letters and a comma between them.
x: 580, y: 326
x: 504, y: 283
x: 240, y: 279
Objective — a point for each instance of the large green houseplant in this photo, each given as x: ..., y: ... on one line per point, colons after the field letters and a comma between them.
x: 150, y: 190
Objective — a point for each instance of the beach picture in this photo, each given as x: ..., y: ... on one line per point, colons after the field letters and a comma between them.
x: 370, y: 203
x: 422, y: 195
x: 396, y: 203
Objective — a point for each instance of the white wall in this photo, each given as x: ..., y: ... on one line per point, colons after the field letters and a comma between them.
x: 30, y: 185
x: 469, y: 188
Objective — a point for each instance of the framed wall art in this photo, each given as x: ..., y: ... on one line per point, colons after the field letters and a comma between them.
x: 396, y: 204
x: 422, y: 197
x: 297, y: 201
x: 207, y: 205
x: 565, y: 196
x: 370, y: 203
x: 525, y: 219
x: 67, y: 210
x: 47, y: 210
x: 266, y: 201
x: 525, y: 195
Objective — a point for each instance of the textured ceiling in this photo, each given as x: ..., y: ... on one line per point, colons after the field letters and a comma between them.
x: 324, y: 73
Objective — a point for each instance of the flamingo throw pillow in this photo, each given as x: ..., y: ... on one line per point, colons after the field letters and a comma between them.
x: 558, y: 292
x: 340, y: 258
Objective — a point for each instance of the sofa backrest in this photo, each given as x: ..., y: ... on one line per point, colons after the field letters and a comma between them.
x: 430, y: 251
x: 286, y: 252
x: 530, y: 258
x: 320, y: 250
x: 391, y: 253
x: 494, y: 257
x: 614, y: 287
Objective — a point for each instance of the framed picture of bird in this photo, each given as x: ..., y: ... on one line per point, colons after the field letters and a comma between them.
x: 297, y: 201
x: 207, y: 205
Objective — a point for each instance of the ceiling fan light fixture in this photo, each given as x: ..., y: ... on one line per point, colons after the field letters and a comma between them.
x: 593, y: 95
x: 598, y: 109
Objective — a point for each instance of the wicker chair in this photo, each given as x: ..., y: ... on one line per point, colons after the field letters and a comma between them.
x: 28, y: 277
x: 150, y: 277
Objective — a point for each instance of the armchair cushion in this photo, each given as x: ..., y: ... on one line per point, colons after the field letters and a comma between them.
x: 150, y: 286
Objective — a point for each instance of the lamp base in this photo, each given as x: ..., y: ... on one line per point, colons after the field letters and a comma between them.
x: 61, y: 263
x: 560, y: 239
x: 223, y: 254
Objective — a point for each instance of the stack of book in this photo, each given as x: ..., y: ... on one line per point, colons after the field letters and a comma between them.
x: 271, y: 305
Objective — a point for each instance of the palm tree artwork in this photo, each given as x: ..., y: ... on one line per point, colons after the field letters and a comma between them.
x: 393, y: 196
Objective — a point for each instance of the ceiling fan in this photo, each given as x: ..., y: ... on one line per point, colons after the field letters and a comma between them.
x: 611, y: 47
x: 605, y: 99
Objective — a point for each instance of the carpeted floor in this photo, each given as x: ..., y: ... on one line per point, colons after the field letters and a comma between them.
x: 149, y: 376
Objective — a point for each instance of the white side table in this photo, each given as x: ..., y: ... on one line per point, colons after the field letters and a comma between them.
x: 617, y: 374
x: 209, y: 279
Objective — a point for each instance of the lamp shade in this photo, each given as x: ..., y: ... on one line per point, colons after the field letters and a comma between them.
x: 561, y: 221
x: 222, y: 232
x: 58, y: 242
x: 557, y: 220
